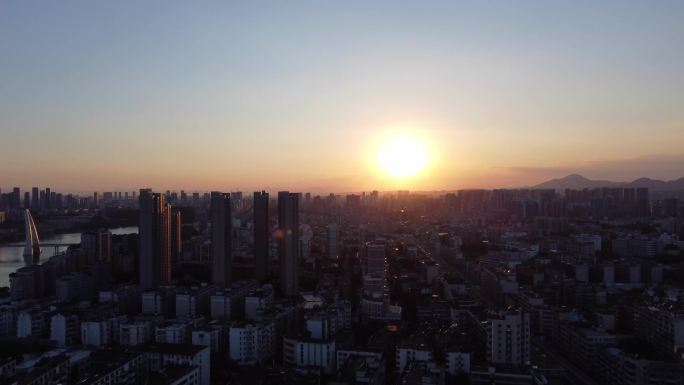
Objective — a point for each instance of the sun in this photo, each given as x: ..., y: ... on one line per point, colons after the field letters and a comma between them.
x: 402, y: 157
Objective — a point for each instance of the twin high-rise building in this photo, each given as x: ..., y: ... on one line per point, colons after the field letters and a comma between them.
x: 221, y: 239
x: 261, y: 229
x: 156, y: 238
x: 288, y: 241
x: 287, y: 234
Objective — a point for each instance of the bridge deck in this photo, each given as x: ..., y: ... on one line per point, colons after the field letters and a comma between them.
x: 41, y: 245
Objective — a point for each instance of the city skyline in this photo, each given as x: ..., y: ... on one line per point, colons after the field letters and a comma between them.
x: 302, y: 96
x: 341, y: 193
x: 553, y: 174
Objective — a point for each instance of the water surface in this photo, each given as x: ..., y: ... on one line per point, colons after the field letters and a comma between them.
x: 11, y: 258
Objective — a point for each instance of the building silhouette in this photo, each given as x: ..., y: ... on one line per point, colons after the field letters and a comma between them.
x: 261, y: 227
x: 221, y: 239
x: 155, y: 263
x: 176, y: 241
x: 288, y: 241
x: 35, y: 198
x: 16, y: 198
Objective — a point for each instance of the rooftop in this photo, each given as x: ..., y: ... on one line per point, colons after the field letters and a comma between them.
x: 176, y: 349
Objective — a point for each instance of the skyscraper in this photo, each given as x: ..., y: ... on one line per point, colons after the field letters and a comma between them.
x: 46, y: 201
x: 166, y: 260
x: 221, y: 237
x: 16, y: 198
x: 155, y: 240
x: 35, y: 199
x: 376, y: 260
x: 332, y: 241
x: 261, y: 255
x: 59, y: 201
x: 508, y: 338
x: 288, y: 241
x: 176, y: 241
x: 236, y: 198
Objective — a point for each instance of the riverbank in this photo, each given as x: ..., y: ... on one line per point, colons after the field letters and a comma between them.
x: 11, y: 258
x: 54, y: 225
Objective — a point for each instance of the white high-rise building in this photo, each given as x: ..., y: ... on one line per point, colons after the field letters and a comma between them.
x: 64, y: 329
x: 307, y: 352
x: 508, y: 338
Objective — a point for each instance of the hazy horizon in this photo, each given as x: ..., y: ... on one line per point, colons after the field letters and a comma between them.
x: 317, y: 190
x: 226, y: 96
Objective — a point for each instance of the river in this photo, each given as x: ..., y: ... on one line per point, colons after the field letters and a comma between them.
x: 11, y: 258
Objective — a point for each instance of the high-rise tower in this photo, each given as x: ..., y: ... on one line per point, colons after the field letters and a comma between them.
x: 155, y: 264
x: 35, y: 199
x: 288, y: 241
x: 221, y: 239
x: 46, y: 202
x: 261, y: 254
x: 16, y: 198
x: 176, y: 241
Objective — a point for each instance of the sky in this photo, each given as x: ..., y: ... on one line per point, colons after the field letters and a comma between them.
x: 300, y: 95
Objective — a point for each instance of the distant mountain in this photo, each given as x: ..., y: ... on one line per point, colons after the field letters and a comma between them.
x: 658, y: 185
x: 576, y: 181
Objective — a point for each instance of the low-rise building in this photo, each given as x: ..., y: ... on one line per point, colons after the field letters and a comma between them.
x: 173, y: 332
x: 214, y: 336
x: 306, y: 352
x: 101, y: 331
x: 135, y: 333
x: 115, y: 367
x: 413, y: 349
x: 193, y: 303
x: 251, y: 343
x: 65, y: 329
x: 160, y: 356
